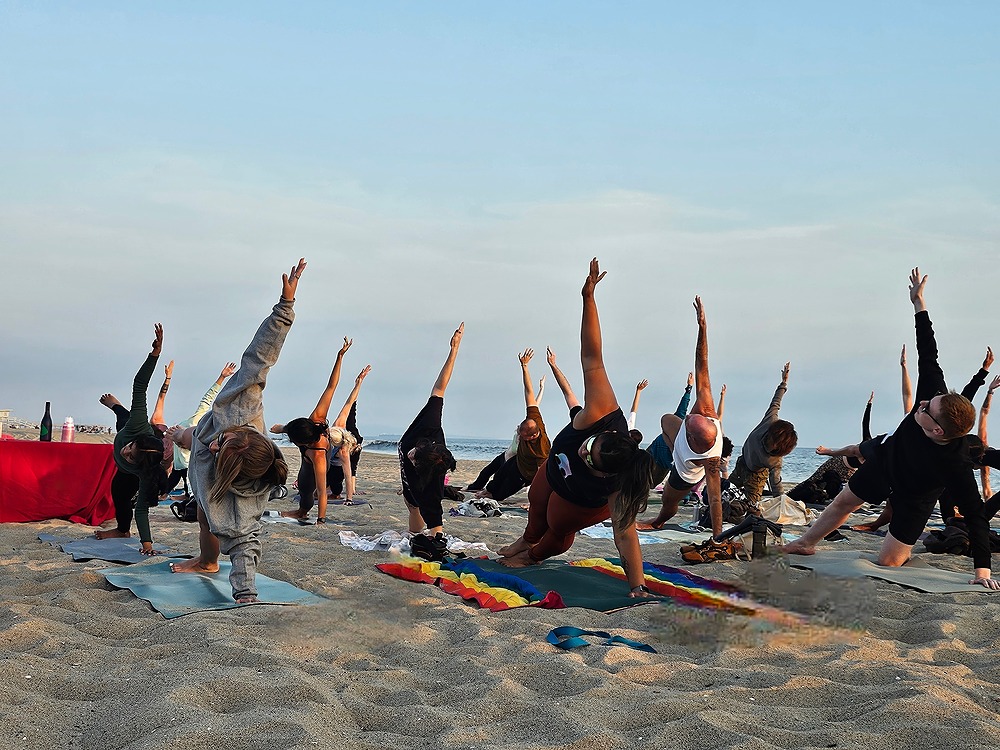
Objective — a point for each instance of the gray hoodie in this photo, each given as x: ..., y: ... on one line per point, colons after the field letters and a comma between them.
x: 235, y: 519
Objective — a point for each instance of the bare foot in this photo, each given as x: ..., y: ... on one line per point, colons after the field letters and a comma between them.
x: 111, y: 534
x: 520, y: 560
x: 798, y: 548
x: 294, y: 514
x: 515, y: 549
x: 865, y: 527
x: 194, y: 565
x: 109, y: 401
x: 249, y: 599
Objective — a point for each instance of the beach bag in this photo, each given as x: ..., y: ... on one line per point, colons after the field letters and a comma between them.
x: 735, y: 507
x: 782, y: 509
x: 758, y: 536
x: 185, y: 510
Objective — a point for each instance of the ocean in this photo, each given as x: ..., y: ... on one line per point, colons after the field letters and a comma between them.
x: 798, y: 465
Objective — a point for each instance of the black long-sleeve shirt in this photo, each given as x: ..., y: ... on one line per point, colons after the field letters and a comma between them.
x: 920, y: 468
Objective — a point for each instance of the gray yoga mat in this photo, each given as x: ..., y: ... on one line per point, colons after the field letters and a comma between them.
x: 917, y: 574
x: 177, y: 594
x: 110, y: 550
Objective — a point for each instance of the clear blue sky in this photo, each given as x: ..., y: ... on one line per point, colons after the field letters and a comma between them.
x: 438, y: 162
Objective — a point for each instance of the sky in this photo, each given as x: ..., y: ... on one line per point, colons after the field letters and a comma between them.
x: 445, y: 162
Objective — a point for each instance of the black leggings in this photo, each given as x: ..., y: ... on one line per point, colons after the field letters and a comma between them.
x: 124, y: 486
x: 486, y: 474
x: 507, y: 481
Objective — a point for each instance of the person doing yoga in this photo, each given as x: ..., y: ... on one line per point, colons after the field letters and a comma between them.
x: 925, y: 454
x: 234, y: 466
x: 595, y: 470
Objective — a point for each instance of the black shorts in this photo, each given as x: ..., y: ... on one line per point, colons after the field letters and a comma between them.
x: 674, y: 480
x: 910, y: 512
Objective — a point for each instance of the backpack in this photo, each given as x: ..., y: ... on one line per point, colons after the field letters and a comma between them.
x: 185, y: 510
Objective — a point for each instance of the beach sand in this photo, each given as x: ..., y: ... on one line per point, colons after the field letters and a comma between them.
x: 382, y: 663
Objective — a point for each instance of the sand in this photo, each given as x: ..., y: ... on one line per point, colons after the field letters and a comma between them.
x: 382, y: 663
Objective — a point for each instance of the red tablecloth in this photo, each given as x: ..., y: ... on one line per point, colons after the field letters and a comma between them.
x: 39, y: 481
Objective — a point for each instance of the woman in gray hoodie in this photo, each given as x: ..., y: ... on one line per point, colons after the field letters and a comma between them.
x: 234, y: 467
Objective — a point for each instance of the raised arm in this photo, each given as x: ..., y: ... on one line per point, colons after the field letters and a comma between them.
x: 541, y: 391
x: 930, y: 377
x: 567, y: 390
x: 907, y: 386
x: 441, y: 384
x: 866, y: 419
x: 598, y: 396
x: 779, y: 393
x: 685, y: 402
x: 703, y: 402
x: 161, y: 399
x: 979, y: 379
x: 341, y: 420
x: 640, y: 386
x: 722, y: 401
x: 529, y: 391
x: 240, y: 398
x: 137, y: 412
x: 323, y: 405
x: 984, y: 412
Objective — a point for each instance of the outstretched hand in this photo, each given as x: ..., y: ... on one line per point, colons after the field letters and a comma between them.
x: 170, y: 432
x: 641, y: 385
x: 989, y: 583
x: 525, y: 357
x: 345, y: 347
x: 994, y: 384
x: 690, y: 381
x: 277, y: 429
x: 456, y: 337
x: 363, y: 374
x: 593, y: 278
x: 157, y: 340
x: 228, y: 370
x: 784, y: 372
x: 550, y: 356
x: 290, y: 280
x: 902, y: 357
x: 699, y: 309
x: 917, y: 283
x: 871, y: 398
x: 168, y: 369
x: 988, y: 362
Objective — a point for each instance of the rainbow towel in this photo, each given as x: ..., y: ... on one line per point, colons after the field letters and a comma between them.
x: 592, y: 584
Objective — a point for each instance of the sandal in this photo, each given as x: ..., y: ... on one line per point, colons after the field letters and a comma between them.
x: 712, y: 551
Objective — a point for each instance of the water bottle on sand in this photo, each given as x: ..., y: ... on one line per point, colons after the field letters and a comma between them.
x: 68, y: 431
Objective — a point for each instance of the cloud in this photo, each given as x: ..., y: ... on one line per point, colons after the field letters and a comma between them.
x: 93, y: 261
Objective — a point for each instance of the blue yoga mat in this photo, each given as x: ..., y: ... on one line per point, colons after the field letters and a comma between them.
x: 177, y: 594
x: 117, y: 550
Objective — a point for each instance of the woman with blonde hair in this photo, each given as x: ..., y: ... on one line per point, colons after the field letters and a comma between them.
x: 234, y: 467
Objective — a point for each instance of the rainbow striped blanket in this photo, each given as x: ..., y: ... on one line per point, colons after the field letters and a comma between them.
x: 595, y: 583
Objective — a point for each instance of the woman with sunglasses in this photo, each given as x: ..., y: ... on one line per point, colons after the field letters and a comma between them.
x: 234, y: 467
x: 594, y: 471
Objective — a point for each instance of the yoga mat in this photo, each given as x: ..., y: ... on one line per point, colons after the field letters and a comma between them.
x: 177, y: 594
x: 917, y: 574
x: 669, y: 533
x: 595, y: 583
x: 110, y: 550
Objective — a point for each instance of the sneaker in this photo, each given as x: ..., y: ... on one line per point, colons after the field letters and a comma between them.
x: 711, y: 551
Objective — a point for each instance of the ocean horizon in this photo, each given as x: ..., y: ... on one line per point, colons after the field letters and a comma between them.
x: 798, y: 465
